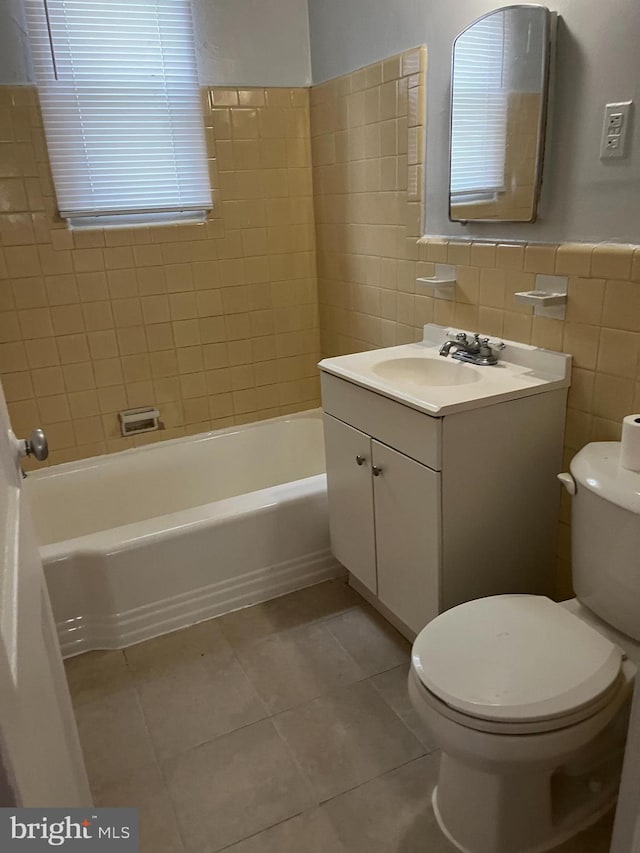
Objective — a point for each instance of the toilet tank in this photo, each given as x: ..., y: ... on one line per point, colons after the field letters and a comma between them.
x: 606, y: 536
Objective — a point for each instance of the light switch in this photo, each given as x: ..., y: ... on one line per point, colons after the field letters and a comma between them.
x: 615, y: 129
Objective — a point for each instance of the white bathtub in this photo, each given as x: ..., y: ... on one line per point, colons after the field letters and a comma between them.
x: 149, y: 540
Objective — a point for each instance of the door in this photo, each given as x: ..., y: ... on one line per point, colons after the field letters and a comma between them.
x: 40, y: 753
x: 407, y: 521
x: 350, y: 490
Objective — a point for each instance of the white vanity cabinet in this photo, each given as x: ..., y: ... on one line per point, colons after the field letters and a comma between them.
x: 429, y: 511
x: 385, y: 521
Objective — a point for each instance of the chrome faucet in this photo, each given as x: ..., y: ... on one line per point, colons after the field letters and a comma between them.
x: 476, y: 351
x: 461, y: 342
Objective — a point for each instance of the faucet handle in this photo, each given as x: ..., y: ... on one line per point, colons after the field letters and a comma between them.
x: 484, y: 346
x: 462, y: 337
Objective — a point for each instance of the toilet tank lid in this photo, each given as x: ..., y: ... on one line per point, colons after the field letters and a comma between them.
x: 514, y: 658
x: 597, y: 468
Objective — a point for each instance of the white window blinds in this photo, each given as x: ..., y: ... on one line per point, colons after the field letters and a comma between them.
x: 479, y: 113
x: 119, y: 92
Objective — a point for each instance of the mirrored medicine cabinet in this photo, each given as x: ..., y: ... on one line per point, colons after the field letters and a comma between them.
x: 499, y: 95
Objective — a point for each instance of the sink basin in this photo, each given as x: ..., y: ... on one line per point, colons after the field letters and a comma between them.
x: 426, y: 371
x: 417, y: 376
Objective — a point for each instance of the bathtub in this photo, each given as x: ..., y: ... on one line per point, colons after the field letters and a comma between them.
x: 149, y: 540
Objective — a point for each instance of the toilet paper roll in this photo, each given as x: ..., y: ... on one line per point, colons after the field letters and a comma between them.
x: 630, y: 443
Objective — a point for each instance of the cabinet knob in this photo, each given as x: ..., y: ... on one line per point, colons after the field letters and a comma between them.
x: 376, y: 471
x: 361, y: 460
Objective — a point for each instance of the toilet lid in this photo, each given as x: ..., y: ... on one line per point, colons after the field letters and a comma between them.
x: 514, y: 658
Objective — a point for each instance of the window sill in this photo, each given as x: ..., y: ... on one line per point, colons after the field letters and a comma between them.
x: 136, y: 220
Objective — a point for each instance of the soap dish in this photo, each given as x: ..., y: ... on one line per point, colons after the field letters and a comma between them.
x: 541, y: 298
x: 442, y: 285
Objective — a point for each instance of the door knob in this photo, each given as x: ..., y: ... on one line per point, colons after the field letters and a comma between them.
x: 376, y: 471
x: 36, y: 445
x: 360, y: 460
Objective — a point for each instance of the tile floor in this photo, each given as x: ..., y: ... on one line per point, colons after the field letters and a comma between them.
x: 282, y: 728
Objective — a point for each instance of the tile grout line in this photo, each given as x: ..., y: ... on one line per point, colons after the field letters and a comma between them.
x: 388, y: 704
x: 374, y: 778
x: 320, y: 806
x: 157, y: 763
x: 333, y: 689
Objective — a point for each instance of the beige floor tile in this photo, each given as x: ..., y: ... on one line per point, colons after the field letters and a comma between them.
x: 262, y: 620
x: 236, y: 781
x: 346, y: 738
x: 158, y: 657
x: 370, y: 640
x: 197, y: 702
x: 289, y: 611
x: 235, y: 786
x: 310, y: 832
x: 391, y: 814
x: 145, y: 790
x: 114, y: 738
x: 296, y: 666
x: 392, y: 686
x: 96, y: 675
x: 329, y: 599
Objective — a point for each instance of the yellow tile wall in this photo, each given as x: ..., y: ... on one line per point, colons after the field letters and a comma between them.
x: 368, y: 154
x: 215, y: 324
x: 218, y: 323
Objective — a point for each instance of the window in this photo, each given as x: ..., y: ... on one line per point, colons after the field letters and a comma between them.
x: 119, y: 92
x: 479, y: 117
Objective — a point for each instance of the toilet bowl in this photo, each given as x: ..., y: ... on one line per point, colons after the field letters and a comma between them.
x: 528, y: 699
x: 531, y: 748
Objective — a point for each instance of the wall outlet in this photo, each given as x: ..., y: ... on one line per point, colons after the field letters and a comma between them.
x: 615, y: 130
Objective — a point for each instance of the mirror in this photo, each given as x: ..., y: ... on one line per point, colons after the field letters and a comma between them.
x: 499, y: 89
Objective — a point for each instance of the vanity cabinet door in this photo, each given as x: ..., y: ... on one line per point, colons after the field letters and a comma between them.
x: 408, y: 523
x: 350, y: 488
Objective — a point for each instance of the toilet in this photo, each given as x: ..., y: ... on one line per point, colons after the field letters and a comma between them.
x: 527, y: 699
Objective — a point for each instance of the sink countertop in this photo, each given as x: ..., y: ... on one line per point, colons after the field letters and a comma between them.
x: 522, y: 371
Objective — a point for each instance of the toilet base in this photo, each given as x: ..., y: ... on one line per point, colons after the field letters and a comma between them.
x: 562, y: 835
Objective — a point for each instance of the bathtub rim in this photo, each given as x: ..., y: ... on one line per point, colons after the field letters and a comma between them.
x: 112, y: 539
x: 181, y: 522
x: 106, y: 458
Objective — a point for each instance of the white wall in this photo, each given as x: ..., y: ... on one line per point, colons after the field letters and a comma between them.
x: 598, y: 60
x: 15, y: 67
x: 239, y: 43
x: 253, y: 42
x: 266, y: 42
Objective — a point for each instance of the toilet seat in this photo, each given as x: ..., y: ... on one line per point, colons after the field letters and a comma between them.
x: 516, y: 662
x: 617, y: 693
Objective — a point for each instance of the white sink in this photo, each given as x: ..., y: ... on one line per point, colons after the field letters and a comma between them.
x: 426, y: 371
x: 418, y: 376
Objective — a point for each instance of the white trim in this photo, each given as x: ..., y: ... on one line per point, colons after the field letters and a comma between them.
x: 135, y: 220
x: 87, y: 633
